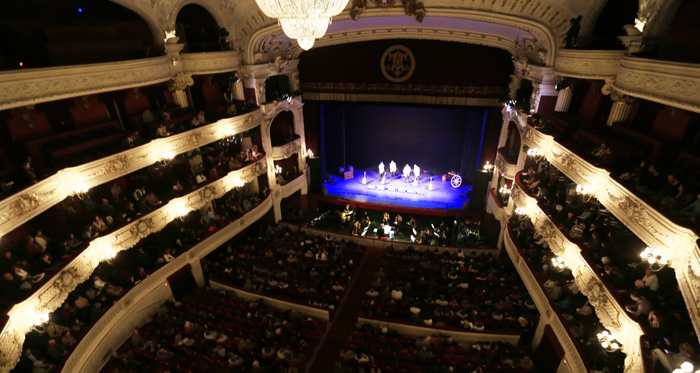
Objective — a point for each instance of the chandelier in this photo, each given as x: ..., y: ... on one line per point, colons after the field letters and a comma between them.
x: 303, y: 20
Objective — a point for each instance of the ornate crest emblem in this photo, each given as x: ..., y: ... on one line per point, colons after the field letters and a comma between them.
x: 398, y: 63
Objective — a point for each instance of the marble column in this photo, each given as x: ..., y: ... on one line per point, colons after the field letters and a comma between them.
x: 563, y: 100
x: 177, y: 85
x: 621, y: 108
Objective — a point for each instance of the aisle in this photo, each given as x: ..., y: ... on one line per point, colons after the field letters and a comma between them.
x: 339, y: 329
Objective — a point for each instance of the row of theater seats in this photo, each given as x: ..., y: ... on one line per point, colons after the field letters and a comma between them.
x: 452, y: 289
x: 649, y: 293
x: 216, y: 331
x: 655, y: 170
x: 289, y: 265
x: 53, y: 342
x: 374, y: 348
x: 34, y: 252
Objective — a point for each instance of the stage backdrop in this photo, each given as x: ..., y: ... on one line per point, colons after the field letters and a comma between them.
x: 438, y: 139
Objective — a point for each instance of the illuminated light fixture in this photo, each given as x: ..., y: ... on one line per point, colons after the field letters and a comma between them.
x: 654, y: 258
x: 229, y: 137
x: 505, y: 190
x: 170, y: 37
x: 586, y: 192
x: 488, y: 167
x: 303, y: 20
x: 639, y: 24
x: 278, y: 169
x: 520, y: 211
x: 309, y: 153
x: 79, y: 190
x: 686, y: 367
x: 559, y: 264
x: 536, y: 154
x: 609, y: 341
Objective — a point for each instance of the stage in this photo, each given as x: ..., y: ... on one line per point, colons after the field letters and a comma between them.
x: 399, y: 193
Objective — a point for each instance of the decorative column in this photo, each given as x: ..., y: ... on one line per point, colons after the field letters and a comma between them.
x: 563, y: 100
x: 238, y: 91
x: 621, y: 108
x: 177, y: 85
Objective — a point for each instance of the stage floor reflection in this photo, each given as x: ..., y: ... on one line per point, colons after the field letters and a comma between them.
x: 399, y: 193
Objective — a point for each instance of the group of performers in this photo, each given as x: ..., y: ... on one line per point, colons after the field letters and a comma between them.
x: 407, y: 173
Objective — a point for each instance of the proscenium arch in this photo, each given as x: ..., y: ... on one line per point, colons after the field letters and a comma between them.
x: 420, y: 31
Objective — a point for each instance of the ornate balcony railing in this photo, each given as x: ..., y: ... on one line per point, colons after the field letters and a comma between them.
x: 287, y: 150
x: 53, y: 293
x: 677, y: 243
x: 671, y: 83
x: 89, y: 354
x: 587, y: 64
x: 294, y: 185
x: 572, y: 349
x: 32, y: 86
x: 32, y: 201
x: 609, y: 311
x: 505, y: 166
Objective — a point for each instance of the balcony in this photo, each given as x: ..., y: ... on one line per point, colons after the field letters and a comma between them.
x: 504, y: 164
x: 32, y: 86
x: 677, y: 243
x: 587, y: 64
x: 670, y: 83
x: 30, y: 202
x: 55, y: 290
x: 286, y: 150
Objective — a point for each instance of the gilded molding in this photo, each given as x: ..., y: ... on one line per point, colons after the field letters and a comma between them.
x: 287, y: 150
x: 23, y: 206
x: 587, y: 64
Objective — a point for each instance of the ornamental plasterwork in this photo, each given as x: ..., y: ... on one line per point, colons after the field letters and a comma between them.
x: 289, y: 149
x: 180, y: 82
x: 51, y: 295
x: 20, y: 208
x: 664, y: 87
x: 587, y: 64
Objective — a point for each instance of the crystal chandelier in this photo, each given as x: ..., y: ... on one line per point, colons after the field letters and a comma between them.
x: 303, y: 20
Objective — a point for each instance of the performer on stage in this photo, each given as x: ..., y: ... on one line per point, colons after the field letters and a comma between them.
x: 381, y: 172
x: 416, y: 174
x: 392, y: 169
x: 406, y: 173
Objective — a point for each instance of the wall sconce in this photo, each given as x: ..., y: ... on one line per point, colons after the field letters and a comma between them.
x: 653, y: 256
x: 536, y: 154
x: 505, y: 190
x: 229, y: 137
x: 488, y: 167
x: 559, y: 264
x: 686, y: 367
x: 38, y: 320
x: 309, y: 153
x: 586, y: 192
x: 79, y: 191
x: 166, y: 157
x: 609, y: 341
x: 520, y: 211
x: 278, y: 169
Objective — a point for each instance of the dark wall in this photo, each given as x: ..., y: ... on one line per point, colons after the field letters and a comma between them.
x: 441, y: 68
x: 437, y: 139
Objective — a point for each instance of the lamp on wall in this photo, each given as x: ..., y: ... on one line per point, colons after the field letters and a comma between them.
x: 520, y: 211
x: 79, y: 190
x: 536, y: 154
x: 488, y: 167
x: 505, y: 190
x: 653, y: 256
x: 609, y: 341
x: 587, y: 192
x: 559, y: 264
x: 686, y: 367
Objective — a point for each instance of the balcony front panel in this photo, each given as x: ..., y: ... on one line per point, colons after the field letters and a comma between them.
x: 678, y: 244
x: 210, y: 62
x: 670, y: 83
x: 607, y: 308
x: 287, y: 150
x: 561, y: 330
x: 32, y: 86
x: 30, y: 202
x: 53, y: 293
x: 294, y: 185
x: 87, y: 355
x: 587, y: 64
x: 504, y: 166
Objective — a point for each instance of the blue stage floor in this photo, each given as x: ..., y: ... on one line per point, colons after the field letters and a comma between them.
x: 399, y: 193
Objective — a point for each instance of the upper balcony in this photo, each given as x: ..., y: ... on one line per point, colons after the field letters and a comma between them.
x: 32, y: 86
x: 679, y: 244
x: 588, y: 64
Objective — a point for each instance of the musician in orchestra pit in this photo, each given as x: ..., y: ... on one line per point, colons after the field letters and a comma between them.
x: 348, y: 213
x: 387, y: 218
x: 356, y: 228
x: 381, y: 171
x: 406, y: 173
x: 392, y: 169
